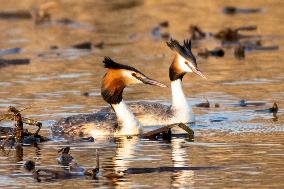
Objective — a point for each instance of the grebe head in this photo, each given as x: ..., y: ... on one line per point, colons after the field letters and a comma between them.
x: 184, y: 61
x: 118, y: 77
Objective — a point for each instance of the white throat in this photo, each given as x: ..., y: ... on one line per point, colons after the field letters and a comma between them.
x: 180, y: 107
x: 126, y: 120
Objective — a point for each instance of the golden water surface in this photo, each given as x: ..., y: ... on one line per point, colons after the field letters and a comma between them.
x: 234, y: 147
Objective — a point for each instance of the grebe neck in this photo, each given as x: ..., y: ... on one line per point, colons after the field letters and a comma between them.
x: 127, y: 122
x: 180, y: 106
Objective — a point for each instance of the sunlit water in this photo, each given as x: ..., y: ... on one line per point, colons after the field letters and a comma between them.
x: 233, y: 147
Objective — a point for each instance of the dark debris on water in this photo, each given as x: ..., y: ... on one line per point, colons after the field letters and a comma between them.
x: 16, y: 14
x: 206, y: 104
x: 161, y: 31
x: 70, y: 169
x: 19, y: 134
x: 273, y: 109
x: 244, y: 103
x: 226, y: 34
x: 217, y: 52
x: 16, y: 61
x: 230, y: 38
x: 231, y: 10
x: 88, y: 45
x: 166, y: 134
x: 10, y: 62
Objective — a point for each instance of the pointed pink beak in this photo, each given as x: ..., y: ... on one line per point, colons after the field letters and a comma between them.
x: 198, y: 72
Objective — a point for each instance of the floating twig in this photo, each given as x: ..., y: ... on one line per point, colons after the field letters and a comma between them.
x: 18, y: 134
x: 16, y: 14
x: 234, y: 10
x: 7, y: 62
x: 166, y: 132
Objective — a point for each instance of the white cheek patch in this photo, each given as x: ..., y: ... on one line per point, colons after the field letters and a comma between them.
x: 126, y: 73
x: 183, y: 65
x: 130, y: 78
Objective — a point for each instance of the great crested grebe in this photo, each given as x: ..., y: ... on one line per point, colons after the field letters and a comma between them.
x: 180, y: 111
x: 123, y: 122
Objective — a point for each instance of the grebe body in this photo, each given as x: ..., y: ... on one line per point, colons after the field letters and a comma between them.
x: 122, y: 121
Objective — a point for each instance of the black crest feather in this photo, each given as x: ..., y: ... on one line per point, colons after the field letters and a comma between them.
x: 187, y: 44
x: 109, y: 63
x: 184, y: 51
